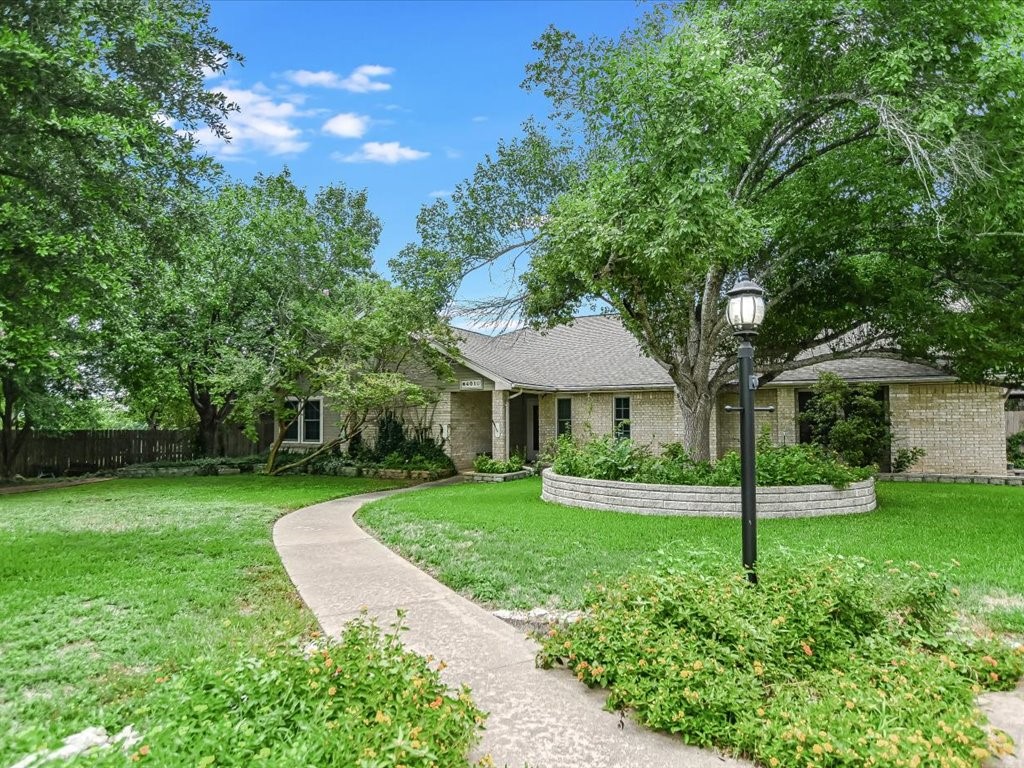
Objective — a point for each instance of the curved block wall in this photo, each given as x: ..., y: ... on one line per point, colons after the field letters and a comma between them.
x: 705, y: 500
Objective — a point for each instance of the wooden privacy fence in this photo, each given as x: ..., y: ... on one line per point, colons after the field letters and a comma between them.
x: 97, y: 449
x: 1014, y: 422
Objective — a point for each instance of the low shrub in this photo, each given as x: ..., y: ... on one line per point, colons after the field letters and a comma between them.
x: 834, y: 662
x: 849, y: 420
x: 608, y: 458
x: 207, y: 466
x: 412, y: 454
x: 362, y: 700
x: 485, y: 464
x: 1015, y: 450
x: 905, y: 458
x: 603, y: 458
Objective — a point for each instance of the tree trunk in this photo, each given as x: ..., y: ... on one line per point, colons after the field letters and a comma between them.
x: 206, y: 438
x: 275, y: 446
x: 12, y: 439
x: 211, y: 418
x: 697, y: 409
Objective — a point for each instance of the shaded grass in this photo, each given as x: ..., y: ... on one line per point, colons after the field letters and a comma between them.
x: 104, y: 586
x: 501, y: 545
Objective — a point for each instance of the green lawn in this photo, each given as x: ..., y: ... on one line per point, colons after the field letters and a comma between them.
x: 105, y: 586
x: 501, y: 545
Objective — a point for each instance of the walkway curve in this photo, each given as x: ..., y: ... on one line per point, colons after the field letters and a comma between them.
x: 539, y: 718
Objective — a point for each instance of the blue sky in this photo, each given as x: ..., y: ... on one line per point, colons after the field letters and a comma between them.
x: 400, y: 98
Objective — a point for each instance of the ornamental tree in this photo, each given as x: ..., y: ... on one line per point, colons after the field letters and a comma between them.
x: 858, y: 159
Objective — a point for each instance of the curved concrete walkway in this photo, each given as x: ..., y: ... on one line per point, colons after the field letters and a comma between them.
x: 539, y: 718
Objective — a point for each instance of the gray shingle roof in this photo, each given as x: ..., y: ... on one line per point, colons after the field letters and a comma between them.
x: 594, y: 352
x: 871, y: 369
x: 597, y: 352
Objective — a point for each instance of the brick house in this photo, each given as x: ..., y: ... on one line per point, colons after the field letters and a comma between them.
x: 517, y: 391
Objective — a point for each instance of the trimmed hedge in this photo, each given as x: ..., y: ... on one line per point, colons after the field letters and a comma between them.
x: 608, y: 458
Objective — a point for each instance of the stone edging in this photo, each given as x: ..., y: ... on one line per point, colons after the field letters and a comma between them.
x: 706, y: 501
x: 497, y: 477
x: 909, y: 477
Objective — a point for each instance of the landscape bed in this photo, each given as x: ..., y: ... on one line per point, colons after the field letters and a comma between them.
x: 706, y: 500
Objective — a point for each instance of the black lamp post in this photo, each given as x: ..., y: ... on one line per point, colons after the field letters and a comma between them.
x: 745, y: 312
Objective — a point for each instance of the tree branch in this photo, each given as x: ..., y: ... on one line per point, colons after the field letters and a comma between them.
x: 868, y: 131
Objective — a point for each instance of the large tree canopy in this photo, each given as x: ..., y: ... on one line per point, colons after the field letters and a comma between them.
x: 272, y: 299
x: 98, y: 100
x: 859, y: 159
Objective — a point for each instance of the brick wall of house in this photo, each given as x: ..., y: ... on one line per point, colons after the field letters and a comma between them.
x: 961, y: 426
x: 546, y: 412
x: 499, y: 424
x: 728, y: 429
x: 654, y: 417
x: 470, y: 431
x: 435, y: 417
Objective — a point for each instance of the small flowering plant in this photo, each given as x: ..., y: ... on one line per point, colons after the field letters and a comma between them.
x: 834, y: 662
x: 363, y: 700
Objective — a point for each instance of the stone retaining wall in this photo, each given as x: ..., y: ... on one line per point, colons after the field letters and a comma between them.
x: 706, y: 501
x: 914, y: 477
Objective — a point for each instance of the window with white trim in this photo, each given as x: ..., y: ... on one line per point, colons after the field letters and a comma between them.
x: 306, y: 427
x: 621, y: 418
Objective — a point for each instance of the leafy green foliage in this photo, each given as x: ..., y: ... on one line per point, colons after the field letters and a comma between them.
x: 1015, y: 449
x: 391, y: 435
x: 273, y: 300
x: 602, y: 458
x: 361, y: 700
x: 99, y: 104
x: 487, y: 465
x: 849, y: 420
x: 609, y: 458
x: 398, y: 446
x: 850, y: 156
x: 905, y: 458
x: 828, y: 662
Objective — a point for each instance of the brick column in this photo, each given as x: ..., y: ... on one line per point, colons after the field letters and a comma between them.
x: 712, y: 430
x: 785, y: 417
x: 499, y: 424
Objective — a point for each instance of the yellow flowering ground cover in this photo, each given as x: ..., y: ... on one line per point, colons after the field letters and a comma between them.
x: 828, y: 662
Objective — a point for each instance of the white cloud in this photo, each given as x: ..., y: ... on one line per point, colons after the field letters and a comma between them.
x: 389, y: 152
x: 347, y: 125
x: 305, y: 78
x: 439, y: 193
x: 480, y: 119
x: 261, y: 123
x: 362, y: 79
x: 452, y: 153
